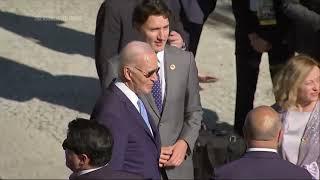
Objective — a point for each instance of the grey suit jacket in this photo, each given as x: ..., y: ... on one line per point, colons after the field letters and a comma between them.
x: 182, y: 112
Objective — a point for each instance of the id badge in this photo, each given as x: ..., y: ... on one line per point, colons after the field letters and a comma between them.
x: 266, y: 13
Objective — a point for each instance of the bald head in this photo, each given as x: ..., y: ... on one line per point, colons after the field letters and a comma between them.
x: 130, y: 54
x: 262, y: 124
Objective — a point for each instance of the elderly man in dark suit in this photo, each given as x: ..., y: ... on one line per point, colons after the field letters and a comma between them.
x: 174, y: 103
x: 263, y: 133
x: 136, y: 146
x: 114, y: 30
x: 88, y: 150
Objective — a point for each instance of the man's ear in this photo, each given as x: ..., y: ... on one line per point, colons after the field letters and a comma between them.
x: 84, y: 161
x: 127, y: 73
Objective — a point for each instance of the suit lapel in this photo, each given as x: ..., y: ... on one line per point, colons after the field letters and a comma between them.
x: 150, y: 100
x: 156, y: 135
x: 131, y: 108
x: 168, y: 61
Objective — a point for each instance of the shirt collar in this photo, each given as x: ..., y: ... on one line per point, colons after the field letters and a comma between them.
x: 128, y: 92
x: 160, y: 56
x: 88, y: 170
x: 262, y: 149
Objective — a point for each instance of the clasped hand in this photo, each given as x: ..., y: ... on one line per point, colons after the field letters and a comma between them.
x: 173, y: 155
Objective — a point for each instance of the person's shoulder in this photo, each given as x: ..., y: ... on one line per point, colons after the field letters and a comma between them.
x: 176, y: 50
x: 118, y: 174
x: 225, y: 169
x: 181, y: 57
x: 106, y: 173
x: 125, y: 175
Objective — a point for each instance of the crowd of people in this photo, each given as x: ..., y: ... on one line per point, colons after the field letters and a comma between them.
x: 147, y: 119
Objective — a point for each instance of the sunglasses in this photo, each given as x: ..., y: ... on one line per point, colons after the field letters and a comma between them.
x: 148, y: 74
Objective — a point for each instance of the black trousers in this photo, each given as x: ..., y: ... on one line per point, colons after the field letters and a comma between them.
x: 247, y: 69
x: 194, y: 30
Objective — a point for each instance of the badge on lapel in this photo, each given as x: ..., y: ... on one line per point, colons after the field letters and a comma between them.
x: 172, y: 67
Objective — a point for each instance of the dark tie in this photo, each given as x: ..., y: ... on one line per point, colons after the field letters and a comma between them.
x: 144, y: 115
x: 156, y: 92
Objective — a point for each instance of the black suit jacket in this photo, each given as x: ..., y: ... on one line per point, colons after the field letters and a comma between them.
x: 261, y: 165
x: 114, y: 30
x: 106, y: 173
x: 135, y: 149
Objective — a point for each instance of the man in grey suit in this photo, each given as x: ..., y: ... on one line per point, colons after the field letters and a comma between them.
x: 114, y: 30
x: 174, y: 102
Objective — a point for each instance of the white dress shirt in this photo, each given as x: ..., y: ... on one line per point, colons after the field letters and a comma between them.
x: 262, y: 149
x: 88, y: 170
x: 160, y: 56
x: 131, y: 96
x: 129, y: 93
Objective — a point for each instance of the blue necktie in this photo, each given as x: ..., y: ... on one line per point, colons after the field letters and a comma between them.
x: 156, y: 92
x: 144, y: 114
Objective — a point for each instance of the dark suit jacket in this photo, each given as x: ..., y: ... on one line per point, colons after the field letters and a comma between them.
x: 134, y: 150
x: 261, y: 165
x: 106, y: 173
x: 114, y: 30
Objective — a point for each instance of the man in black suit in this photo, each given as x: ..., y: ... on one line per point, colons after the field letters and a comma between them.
x: 259, y: 28
x: 88, y: 150
x: 114, y: 30
x: 263, y: 134
x: 136, y: 146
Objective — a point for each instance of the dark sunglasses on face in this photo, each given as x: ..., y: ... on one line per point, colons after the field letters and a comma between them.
x: 148, y: 74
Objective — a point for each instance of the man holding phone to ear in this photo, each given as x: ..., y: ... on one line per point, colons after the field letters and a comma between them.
x: 114, y: 30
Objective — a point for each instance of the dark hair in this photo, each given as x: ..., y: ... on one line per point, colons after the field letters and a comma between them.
x: 148, y: 8
x: 90, y: 138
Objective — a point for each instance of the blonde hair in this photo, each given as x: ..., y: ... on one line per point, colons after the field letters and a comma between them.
x: 288, y: 80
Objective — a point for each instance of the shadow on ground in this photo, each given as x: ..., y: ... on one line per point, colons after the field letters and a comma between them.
x: 49, y: 33
x: 213, y: 123
x: 22, y: 83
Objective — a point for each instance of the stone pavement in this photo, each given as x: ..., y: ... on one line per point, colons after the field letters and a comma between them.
x: 48, y: 78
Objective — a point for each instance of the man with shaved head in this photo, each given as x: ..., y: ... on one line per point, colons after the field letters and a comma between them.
x: 263, y: 133
x: 136, y: 139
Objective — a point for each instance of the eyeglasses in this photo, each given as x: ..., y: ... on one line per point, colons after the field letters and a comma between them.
x: 150, y: 73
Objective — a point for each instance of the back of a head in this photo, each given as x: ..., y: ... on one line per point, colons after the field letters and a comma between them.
x: 90, y: 138
x: 148, y: 8
x: 262, y: 124
x: 290, y: 77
